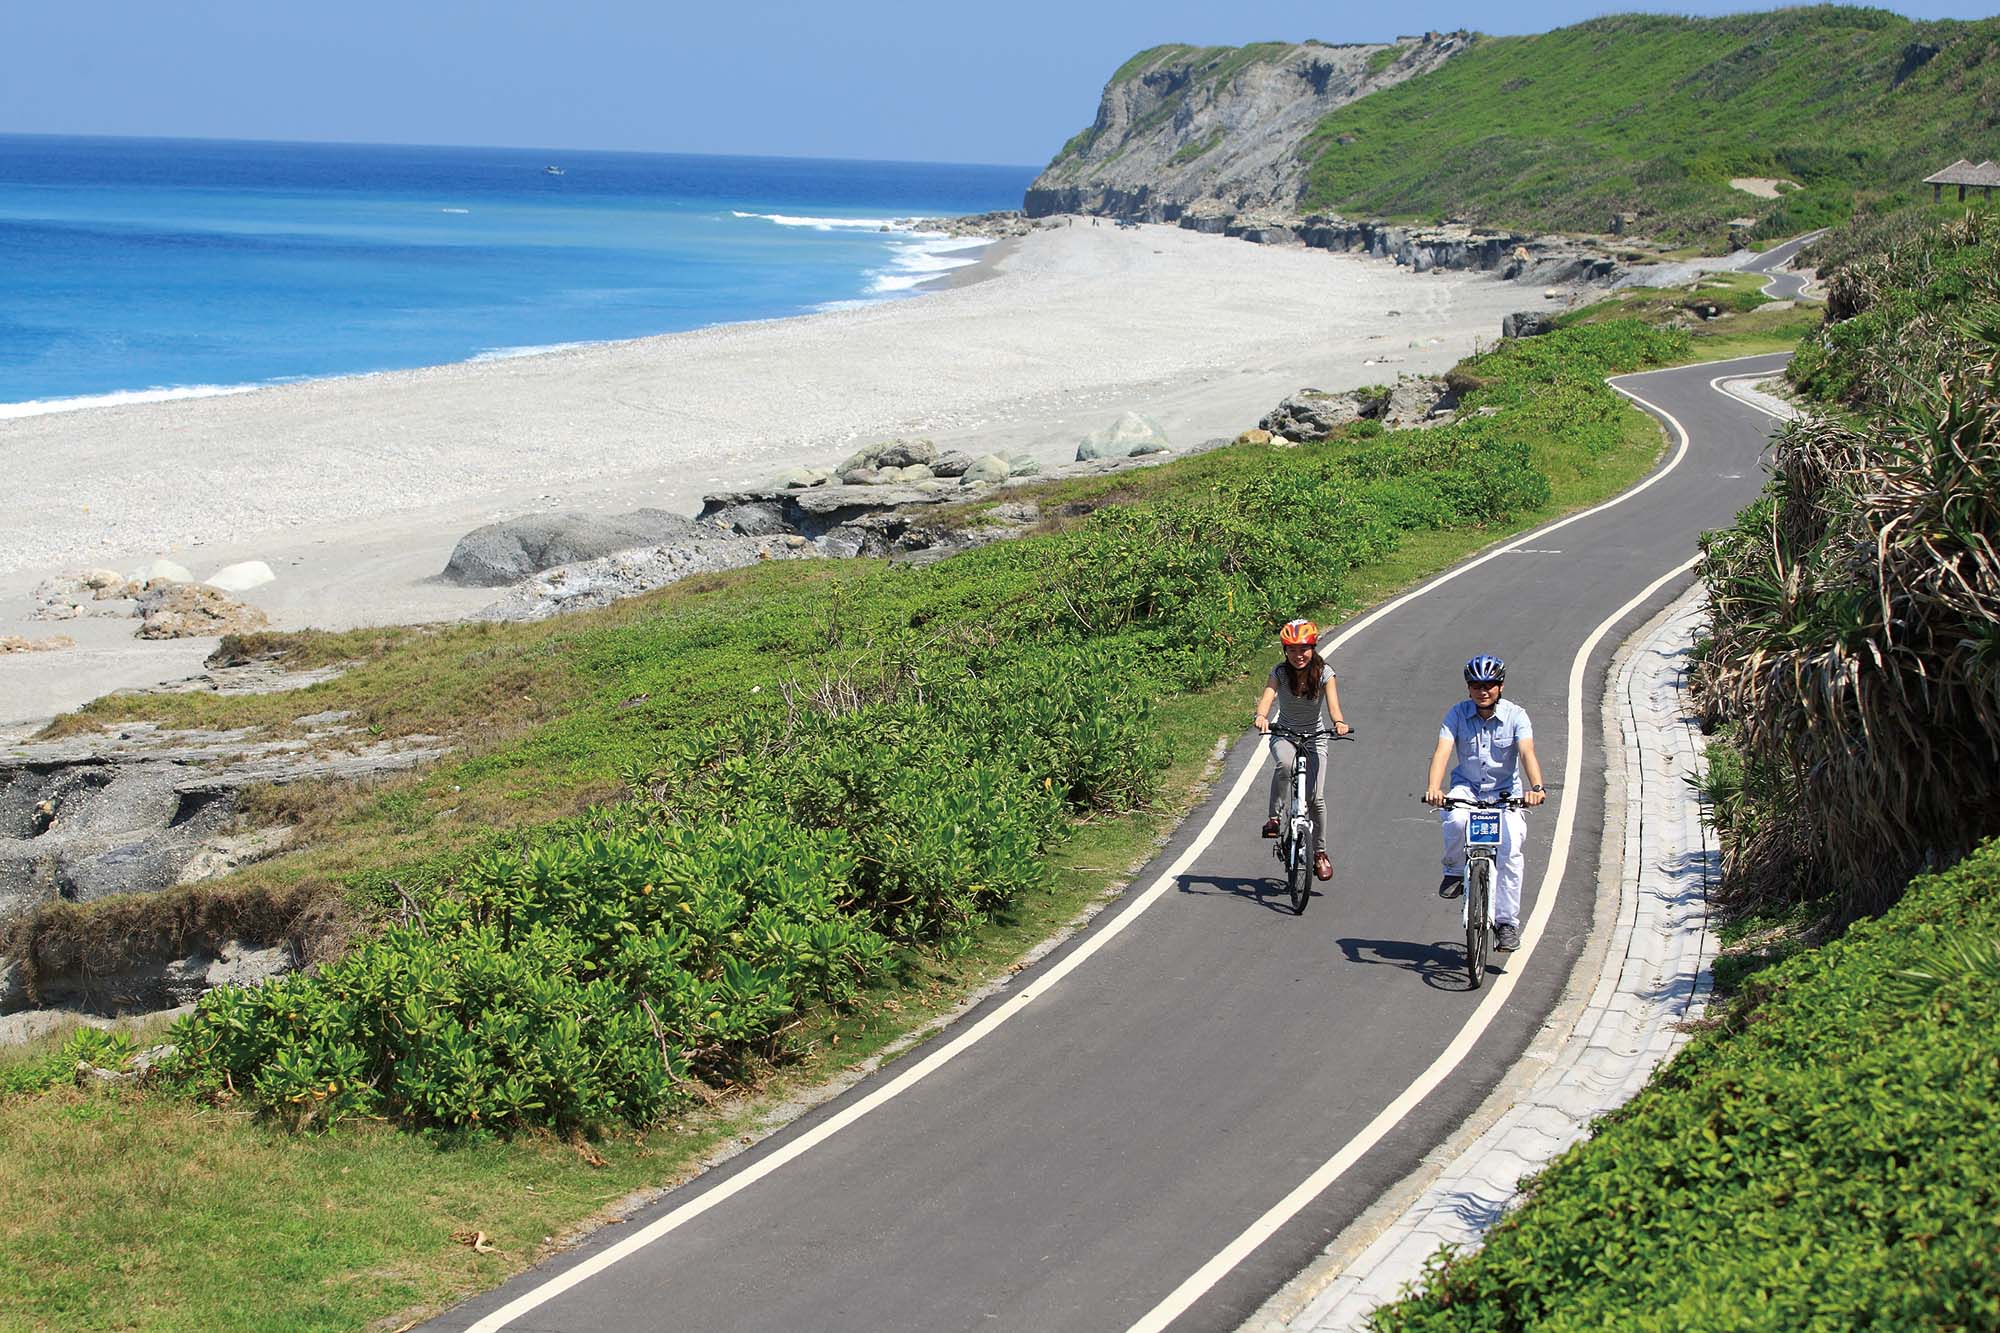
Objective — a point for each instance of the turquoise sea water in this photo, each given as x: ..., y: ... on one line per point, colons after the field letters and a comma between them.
x: 177, y: 267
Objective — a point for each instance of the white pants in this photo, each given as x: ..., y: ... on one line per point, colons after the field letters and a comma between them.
x: 1513, y: 833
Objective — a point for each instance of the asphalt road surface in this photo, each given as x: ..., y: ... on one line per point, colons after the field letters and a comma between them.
x: 1073, y: 1151
x: 1782, y: 286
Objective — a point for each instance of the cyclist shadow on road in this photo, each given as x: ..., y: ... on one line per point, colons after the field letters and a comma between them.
x: 1441, y: 965
x: 1266, y: 893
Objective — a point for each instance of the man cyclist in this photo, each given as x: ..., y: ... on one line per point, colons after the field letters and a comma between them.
x: 1484, y: 739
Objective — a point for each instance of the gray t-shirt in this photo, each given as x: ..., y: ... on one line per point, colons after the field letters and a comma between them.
x: 1299, y: 712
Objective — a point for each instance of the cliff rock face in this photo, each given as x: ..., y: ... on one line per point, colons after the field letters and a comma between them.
x: 1218, y: 127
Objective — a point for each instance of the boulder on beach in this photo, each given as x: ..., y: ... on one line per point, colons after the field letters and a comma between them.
x: 194, y: 610
x: 1128, y: 437
x: 952, y: 463
x: 991, y: 468
x: 1528, y: 324
x: 18, y: 643
x: 798, y: 478
x: 1313, y: 414
x: 888, y: 454
x: 241, y: 577
x: 1022, y: 465
x: 162, y: 571
x: 514, y: 548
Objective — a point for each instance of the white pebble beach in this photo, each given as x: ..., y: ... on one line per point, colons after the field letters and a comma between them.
x: 355, y: 489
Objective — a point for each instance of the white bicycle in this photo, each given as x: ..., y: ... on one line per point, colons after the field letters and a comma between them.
x: 1295, y: 833
x: 1482, y: 850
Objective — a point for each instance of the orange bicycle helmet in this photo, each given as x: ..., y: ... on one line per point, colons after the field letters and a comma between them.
x: 1299, y: 632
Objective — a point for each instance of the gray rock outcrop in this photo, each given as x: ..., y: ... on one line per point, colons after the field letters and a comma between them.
x: 991, y: 468
x: 888, y: 457
x: 514, y: 548
x: 1528, y: 324
x: 82, y: 820
x: 1182, y: 125
x: 1314, y: 414
x: 193, y: 610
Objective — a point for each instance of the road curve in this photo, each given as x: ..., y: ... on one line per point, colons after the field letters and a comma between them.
x: 1072, y: 1151
x: 1782, y: 286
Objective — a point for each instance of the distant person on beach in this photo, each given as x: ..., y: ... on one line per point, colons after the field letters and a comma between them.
x: 1301, y: 688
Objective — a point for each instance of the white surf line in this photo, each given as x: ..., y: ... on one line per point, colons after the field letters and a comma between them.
x: 951, y: 1050
x: 1240, y: 1249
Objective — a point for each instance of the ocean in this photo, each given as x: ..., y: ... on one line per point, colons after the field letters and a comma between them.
x: 152, y: 268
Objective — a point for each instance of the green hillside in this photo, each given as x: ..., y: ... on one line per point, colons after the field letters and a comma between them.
x: 1653, y: 115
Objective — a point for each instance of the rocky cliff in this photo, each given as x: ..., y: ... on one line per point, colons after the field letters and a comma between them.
x: 1184, y: 128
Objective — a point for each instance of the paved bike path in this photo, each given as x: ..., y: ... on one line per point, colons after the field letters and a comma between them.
x: 1076, y: 1164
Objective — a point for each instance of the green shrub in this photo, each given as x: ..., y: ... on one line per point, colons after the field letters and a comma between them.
x: 86, y: 1046
x: 1827, y: 1155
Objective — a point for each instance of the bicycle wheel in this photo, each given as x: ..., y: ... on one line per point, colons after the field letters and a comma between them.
x: 1298, y: 874
x: 1478, y: 917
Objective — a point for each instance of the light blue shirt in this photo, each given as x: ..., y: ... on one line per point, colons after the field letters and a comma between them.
x: 1488, y: 749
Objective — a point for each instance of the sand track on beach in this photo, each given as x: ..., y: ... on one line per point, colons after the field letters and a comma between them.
x: 356, y: 488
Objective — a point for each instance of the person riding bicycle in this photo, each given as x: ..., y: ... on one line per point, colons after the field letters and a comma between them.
x: 1489, y: 738
x: 1302, y: 689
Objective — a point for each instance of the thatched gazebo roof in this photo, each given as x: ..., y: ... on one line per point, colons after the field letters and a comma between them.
x: 1963, y: 172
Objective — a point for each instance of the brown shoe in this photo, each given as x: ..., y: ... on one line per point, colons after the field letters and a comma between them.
x: 1322, y: 867
x: 1271, y: 827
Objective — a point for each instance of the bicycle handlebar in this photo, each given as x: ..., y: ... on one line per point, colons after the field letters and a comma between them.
x: 1504, y: 803
x: 1313, y: 735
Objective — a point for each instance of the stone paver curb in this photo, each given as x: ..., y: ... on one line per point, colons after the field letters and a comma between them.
x: 1655, y: 976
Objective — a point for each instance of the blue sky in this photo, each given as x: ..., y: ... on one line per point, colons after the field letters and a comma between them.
x: 893, y: 80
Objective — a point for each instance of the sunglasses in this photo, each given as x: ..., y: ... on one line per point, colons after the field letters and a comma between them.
x: 1484, y: 684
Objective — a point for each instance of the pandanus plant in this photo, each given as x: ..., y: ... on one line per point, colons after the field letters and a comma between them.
x: 1856, y: 637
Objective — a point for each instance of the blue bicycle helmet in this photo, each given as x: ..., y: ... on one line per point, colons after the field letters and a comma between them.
x: 1486, y: 667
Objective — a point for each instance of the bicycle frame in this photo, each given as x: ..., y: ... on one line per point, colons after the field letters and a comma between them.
x: 1295, y: 835
x: 1482, y: 855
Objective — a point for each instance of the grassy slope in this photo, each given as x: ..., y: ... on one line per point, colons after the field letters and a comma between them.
x: 1825, y: 1156
x: 1654, y: 114
x: 335, y: 1230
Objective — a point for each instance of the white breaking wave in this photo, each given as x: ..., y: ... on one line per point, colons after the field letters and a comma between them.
x: 511, y: 353
x: 454, y: 210
x: 38, y: 407
x: 824, y: 224
x: 919, y: 260
x: 915, y: 257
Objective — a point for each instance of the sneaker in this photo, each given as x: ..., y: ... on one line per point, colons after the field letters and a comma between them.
x: 1271, y: 827
x: 1506, y: 937
x: 1451, y: 886
x: 1322, y: 867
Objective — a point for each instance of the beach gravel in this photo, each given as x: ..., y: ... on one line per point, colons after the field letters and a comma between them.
x: 354, y: 490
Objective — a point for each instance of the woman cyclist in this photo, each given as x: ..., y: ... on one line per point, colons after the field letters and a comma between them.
x: 1301, y: 688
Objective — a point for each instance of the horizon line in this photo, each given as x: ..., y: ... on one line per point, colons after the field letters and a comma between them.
x: 503, y: 148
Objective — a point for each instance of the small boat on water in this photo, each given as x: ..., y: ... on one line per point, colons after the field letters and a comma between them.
x: 552, y: 171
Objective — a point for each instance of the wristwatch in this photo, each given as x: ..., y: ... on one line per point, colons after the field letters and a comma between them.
x: 1538, y: 787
